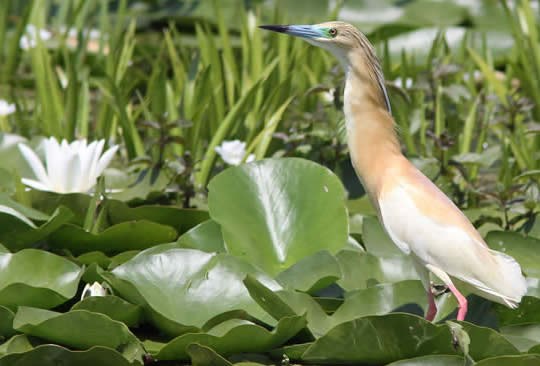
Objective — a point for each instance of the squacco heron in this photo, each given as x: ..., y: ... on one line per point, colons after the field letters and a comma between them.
x: 421, y: 220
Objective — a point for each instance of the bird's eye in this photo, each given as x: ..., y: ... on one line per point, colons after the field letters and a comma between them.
x: 332, y: 32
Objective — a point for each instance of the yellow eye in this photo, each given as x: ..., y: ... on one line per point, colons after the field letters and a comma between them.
x: 332, y: 32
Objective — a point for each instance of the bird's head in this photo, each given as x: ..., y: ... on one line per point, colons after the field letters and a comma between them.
x: 348, y: 44
x: 337, y: 37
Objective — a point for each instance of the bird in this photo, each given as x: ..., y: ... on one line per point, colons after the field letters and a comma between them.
x: 417, y: 216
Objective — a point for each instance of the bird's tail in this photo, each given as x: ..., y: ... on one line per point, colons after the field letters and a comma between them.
x: 508, y: 288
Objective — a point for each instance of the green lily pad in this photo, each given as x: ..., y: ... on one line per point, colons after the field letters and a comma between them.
x: 181, y: 219
x: 362, y: 270
x: 114, y: 307
x: 16, y: 344
x: 6, y: 322
x: 275, y: 212
x: 131, y: 235
x: 522, y: 336
x: 527, y: 312
x: 524, y: 360
x: 523, y: 249
x: 380, y: 340
x: 48, y: 202
x: 439, y: 360
x: 79, y: 329
x: 186, y: 286
x: 206, y: 237
x: 237, y: 336
x: 53, y: 355
x: 205, y: 356
x: 19, y: 232
x: 376, y: 241
x: 486, y: 342
x: 37, y: 278
x: 28, y: 212
x: 312, y: 273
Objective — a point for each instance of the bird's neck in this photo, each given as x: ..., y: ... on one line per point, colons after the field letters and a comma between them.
x: 372, y: 139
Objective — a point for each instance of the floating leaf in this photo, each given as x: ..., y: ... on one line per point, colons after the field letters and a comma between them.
x: 376, y: 240
x: 37, y: 278
x: 6, y: 322
x: 362, y: 270
x: 131, y: 235
x: 440, y: 360
x: 240, y: 336
x: 380, y: 340
x: 79, y: 329
x: 53, y: 355
x: 187, y: 287
x: 284, y: 210
x: 205, y: 356
x: 524, y: 360
x: 16, y: 344
x: 523, y: 336
x: 206, y: 237
x: 523, y: 249
x: 485, y: 342
x: 181, y: 219
x: 19, y: 232
x: 312, y: 273
x: 112, y: 306
x: 527, y: 312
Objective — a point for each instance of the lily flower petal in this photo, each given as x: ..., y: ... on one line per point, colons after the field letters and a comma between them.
x: 36, y: 164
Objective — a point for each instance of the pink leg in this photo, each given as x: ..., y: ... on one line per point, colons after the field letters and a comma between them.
x: 432, y: 310
x: 462, y: 302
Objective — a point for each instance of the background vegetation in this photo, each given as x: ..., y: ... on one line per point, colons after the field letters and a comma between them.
x: 278, y: 261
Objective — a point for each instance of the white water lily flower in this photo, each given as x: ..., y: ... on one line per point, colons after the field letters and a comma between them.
x: 232, y: 152
x: 6, y: 108
x: 70, y: 168
x: 96, y: 289
x: 29, y: 40
x: 399, y: 83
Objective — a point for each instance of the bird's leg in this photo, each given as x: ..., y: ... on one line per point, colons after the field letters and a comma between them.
x: 462, y: 302
x: 432, y: 310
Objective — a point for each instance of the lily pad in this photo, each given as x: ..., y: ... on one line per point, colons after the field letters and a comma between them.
x: 527, y: 312
x: 284, y: 210
x: 376, y: 241
x: 131, y: 235
x: 523, y: 249
x: 524, y: 360
x: 312, y: 273
x: 205, y: 356
x: 206, y: 237
x: 37, y: 278
x: 79, y: 329
x: 486, y: 342
x: 53, y: 355
x: 439, y: 360
x: 114, y: 307
x: 179, y: 218
x: 380, y: 340
x: 6, y: 322
x: 16, y: 344
x: 239, y: 336
x: 362, y: 270
x: 523, y: 336
x: 186, y: 286
x: 19, y: 232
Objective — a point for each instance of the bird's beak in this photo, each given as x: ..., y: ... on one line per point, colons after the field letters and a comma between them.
x: 304, y: 31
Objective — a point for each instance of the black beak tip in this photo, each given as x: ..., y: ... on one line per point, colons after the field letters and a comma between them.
x: 275, y: 28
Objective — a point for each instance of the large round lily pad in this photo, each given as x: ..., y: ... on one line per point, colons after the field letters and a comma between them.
x: 186, y: 286
x: 37, y: 278
x: 275, y: 212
